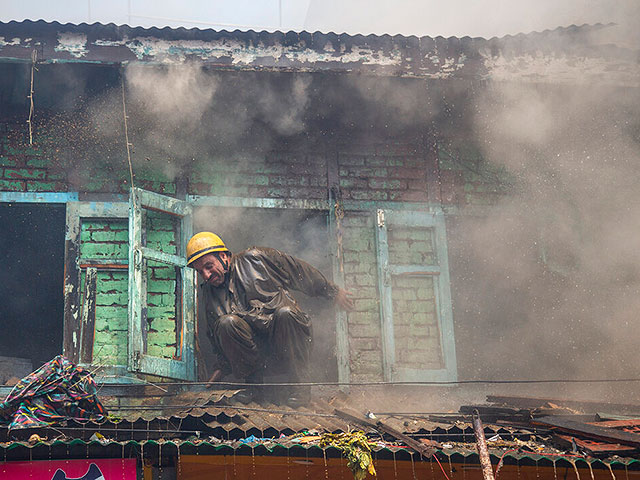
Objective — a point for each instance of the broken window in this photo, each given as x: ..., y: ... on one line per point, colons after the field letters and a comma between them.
x: 416, y: 313
x: 161, y: 289
x: 96, y: 284
x: 120, y: 319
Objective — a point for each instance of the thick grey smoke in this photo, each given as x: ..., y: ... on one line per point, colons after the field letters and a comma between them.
x: 560, y: 263
x: 175, y: 97
x: 181, y: 113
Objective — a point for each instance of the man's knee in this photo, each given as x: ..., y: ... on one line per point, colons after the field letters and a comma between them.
x: 229, y: 323
x: 293, y: 316
x: 284, y: 312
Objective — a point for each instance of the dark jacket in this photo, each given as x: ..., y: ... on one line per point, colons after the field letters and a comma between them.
x: 258, y: 284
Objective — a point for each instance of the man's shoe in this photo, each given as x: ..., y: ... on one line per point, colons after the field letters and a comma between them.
x: 245, y: 396
x: 252, y: 393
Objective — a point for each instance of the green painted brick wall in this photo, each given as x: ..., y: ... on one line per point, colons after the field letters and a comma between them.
x: 413, y: 299
x: 110, y: 340
x: 104, y: 239
x: 109, y: 239
x: 386, y: 173
x: 467, y: 178
x: 162, y: 314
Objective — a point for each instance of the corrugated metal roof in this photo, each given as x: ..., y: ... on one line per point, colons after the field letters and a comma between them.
x: 265, y: 446
x: 567, y: 54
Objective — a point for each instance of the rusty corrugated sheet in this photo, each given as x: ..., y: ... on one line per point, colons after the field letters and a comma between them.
x: 568, y: 54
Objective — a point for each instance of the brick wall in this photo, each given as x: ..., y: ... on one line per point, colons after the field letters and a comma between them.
x: 24, y: 167
x: 389, y: 173
x: 416, y: 332
x: 109, y: 239
x: 161, y: 286
x: 467, y: 179
x: 400, y: 178
x: 277, y: 175
x: 360, y: 277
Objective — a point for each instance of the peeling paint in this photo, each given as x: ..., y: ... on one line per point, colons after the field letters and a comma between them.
x: 110, y: 43
x: 68, y: 289
x: 242, y: 54
x: 75, y: 340
x: 543, y: 59
x: 560, y: 69
x: 74, y: 43
x: 5, y: 43
x: 174, y: 50
x: 446, y: 67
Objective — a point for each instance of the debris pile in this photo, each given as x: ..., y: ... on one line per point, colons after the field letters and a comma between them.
x: 56, y: 392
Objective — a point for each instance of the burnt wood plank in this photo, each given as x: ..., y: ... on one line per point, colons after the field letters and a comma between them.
x: 71, y: 299
x: 591, y: 447
x: 88, y: 316
x: 590, y: 431
x: 533, y: 402
x: 353, y: 416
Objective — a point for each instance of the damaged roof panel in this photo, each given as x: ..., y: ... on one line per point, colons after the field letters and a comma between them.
x: 569, y: 54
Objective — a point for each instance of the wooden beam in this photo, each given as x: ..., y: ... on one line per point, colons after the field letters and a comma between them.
x: 353, y: 416
x: 592, y: 431
x: 481, y: 442
x: 87, y: 332
x: 531, y: 402
x: 71, y: 337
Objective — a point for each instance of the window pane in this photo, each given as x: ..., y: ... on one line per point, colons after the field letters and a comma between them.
x: 410, y: 245
x: 160, y: 231
x: 110, y: 340
x: 415, y: 324
x: 104, y: 239
x: 162, y: 315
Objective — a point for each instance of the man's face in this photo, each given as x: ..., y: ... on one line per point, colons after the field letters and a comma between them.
x: 211, y: 269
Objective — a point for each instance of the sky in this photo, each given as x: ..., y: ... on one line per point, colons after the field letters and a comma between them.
x: 476, y: 18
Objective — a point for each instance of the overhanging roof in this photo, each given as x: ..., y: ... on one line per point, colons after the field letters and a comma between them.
x: 574, y: 54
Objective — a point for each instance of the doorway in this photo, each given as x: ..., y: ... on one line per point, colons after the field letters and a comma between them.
x: 31, y: 286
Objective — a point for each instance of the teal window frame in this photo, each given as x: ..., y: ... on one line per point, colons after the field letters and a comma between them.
x: 433, y: 219
x: 183, y: 366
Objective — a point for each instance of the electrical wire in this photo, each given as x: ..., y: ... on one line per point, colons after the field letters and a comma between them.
x: 223, y: 407
x: 441, y: 467
x: 126, y: 131
x: 500, y: 463
x: 34, y: 59
x: 375, y: 384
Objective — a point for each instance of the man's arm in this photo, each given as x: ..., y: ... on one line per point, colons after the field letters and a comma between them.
x: 296, y: 274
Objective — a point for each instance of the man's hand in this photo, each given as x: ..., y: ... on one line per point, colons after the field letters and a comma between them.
x: 343, y: 300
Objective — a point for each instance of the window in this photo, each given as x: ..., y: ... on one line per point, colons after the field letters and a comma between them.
x: 129, y: 301
x: 415, y: 303
x: 32, y: 242
x: 161, y: 287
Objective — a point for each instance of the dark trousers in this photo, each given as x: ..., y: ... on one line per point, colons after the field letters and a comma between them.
x: 283, y: 339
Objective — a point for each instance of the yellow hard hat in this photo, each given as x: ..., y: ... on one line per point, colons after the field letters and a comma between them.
x: 201, y: 244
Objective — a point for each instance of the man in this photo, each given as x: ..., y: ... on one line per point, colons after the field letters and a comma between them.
x: 251, y: 316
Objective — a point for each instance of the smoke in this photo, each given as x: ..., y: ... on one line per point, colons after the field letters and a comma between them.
x: 302, y: 234
x: 559, y: 261
x: 286, y: 112
x: 174, y: 97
